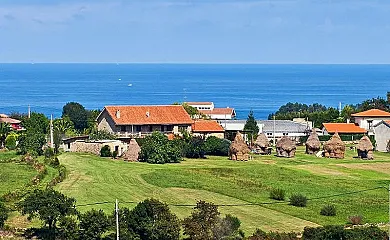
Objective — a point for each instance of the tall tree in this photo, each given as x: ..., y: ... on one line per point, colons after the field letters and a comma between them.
x: 251, y: 127
x: 5, y: 129
x: 77, y: 114
x: 93, y: 224
x: 37, y: 123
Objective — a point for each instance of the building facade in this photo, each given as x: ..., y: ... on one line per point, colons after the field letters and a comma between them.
x: 369, y: 118
x: 208, y: 109
x: 382, y: 135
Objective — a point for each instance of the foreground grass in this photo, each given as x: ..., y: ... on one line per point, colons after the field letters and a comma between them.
x: 93, y: 179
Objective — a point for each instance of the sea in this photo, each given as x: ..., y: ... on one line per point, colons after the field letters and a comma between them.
x: 263, y: 88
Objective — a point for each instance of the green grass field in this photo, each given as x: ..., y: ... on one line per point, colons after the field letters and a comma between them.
x: 92, y: 179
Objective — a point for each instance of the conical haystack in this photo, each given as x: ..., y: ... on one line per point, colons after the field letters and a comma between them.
x: 335, y: 147
x: 261, y: 144
x: 285, y: 147
x: 365, y: 148
x: 132, y: 152
x: 313, y: 144
x: 238, y: 150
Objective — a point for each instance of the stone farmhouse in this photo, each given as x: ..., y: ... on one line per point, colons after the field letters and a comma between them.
x: 138, y: 121
x: 369, y: 118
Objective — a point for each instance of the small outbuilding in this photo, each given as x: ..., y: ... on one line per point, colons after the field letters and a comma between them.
x: 238, y: 150
x: 261, y: 144
x: 285, y: 147
x: 132, y: 152
x: 313, y: 144
x: 335, y: 147
x: 365, y: 148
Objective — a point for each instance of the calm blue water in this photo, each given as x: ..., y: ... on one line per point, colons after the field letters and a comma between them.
x: 263, y: 88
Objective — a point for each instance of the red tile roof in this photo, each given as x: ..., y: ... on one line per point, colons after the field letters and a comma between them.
x: 343, y: 128
x: 199, y: 103
x: 219, y: 111
x: 372, y: 113
x: 4, y: 118
x: 206, y: 126
x: 387, y: 121
x: 149, y: 115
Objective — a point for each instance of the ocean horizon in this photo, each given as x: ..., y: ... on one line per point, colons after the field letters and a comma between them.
x: 263, y: 88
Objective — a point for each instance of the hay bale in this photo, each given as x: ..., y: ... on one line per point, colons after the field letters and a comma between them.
x: 365, y: 148
x: 132, y: 152
x: 238, y: 149
x: 313, y: 144
x: 285, y: 147
x: 335, y: 147
x: 261, y: 144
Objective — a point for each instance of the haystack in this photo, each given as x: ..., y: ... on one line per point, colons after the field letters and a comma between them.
x: 285, y: 147
x: 261, y: 144
x: 365, y: 148
x: 238, y: 150
x: 313, y: 144
x: 335, y: 147
x: 132, y: 152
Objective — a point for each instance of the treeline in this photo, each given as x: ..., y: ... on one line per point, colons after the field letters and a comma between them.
x: 153, y: 220
x: 319, y: 114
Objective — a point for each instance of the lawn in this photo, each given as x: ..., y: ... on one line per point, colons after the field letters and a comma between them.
x: 92, y: 179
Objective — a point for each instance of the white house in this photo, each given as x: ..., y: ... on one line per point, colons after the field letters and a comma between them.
x: 368, y: 119
x: 208, y: 109
x: 382, y: 135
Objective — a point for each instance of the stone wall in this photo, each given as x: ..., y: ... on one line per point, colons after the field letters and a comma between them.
x: 94, y: 147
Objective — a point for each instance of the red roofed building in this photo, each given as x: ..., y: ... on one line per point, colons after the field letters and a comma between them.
x: 369, y: 118
x: 14, y: 123
x: 142, y: 120
x: 208, y: 109
x: 343, y: 128
x: 208, y: 128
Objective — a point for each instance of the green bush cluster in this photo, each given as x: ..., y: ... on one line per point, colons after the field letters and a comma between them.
x: 261, y: 235
x: 298, y: 200
x: 3, y: 214
x: 277, y: 194
x: 105, y: 151
x: 158, y: 149
x: 328, y: 210
x: 216, y: 146
x: 339, y: 232
x: 10, y: 141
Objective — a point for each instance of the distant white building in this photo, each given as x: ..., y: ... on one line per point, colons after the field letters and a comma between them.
x: 368, y: 119
x: 208, y: 109
x: 382, y: 135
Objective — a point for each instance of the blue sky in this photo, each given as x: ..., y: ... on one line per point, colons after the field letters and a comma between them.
x: 185, y: 31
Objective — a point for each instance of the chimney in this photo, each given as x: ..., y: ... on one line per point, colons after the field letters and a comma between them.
x: 118, y: 114
x: 147, y: 114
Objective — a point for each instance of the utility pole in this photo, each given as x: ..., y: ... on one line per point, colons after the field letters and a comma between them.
x: 117, y: 219
x: 29, y: 111
x: 51, y: 132
x: 274, y: 132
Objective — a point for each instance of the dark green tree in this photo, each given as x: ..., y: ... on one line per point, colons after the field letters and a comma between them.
x: 151, y: 220
x: 31, y: 142
x: 3, y: 214
x: 388, y: 98
x: 378, y: 103
x: 37, y: 123
x: 77, y: 114
x: 5, y: 129
x: 156, y: 148
x: 92, y: 116
x: 195, y: 148
x: 251, y: 127
x: 47, y: 205
x: 93, y: 224
x: 200, y: 225
x: 216, y: 146
x: 68, y: 228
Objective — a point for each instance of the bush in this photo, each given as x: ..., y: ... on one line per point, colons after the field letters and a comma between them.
x: 261, y: 235
x: 93, y: 224
x: 216, y: 146
x: 356, y: 220
x: 114, y: 154
x: 49, y: 153
x: 194, y: 148
x: 298, y: 200
x: 10, y: 141
x: 158, y: 149
x: 365, y: 233
x: 54, y: 162
x: 31, y: 142
x: 328, y: 210
x: 277, y: 194
x: 3, y: 214
x: 338, y: 232
x: 105, y: 151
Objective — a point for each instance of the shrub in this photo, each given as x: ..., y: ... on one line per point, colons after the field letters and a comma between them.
x: 93, y: 224
x: 54, y: 162
x: 261, y: 235
x: 216, y: 146
x: 194, y: 148
x: 298, y: 200
x: 158, y: 149
x: 356, y: 220
x: 324, y: 233
x: 10, y: 141
x: 49, y: 153
x: 114, y: 154
x: 3, y: 214
x: 277, y: 194
x: 105, y: 151
x: 31, y: 142
x: 328, y: 210
x: 365, y: 233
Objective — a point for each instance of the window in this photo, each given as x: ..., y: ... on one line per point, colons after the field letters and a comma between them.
x: 285, y: 134
x: 169, y: 128
x: 182, y: 128
x: 138, y: 128
x: 150, y: 128
x: 369, y: 124
x: 269, y: 134
x: 123, y: 128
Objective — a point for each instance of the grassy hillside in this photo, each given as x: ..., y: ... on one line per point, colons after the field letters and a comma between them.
x: 93, y: 179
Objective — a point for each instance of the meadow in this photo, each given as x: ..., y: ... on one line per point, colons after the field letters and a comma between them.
x: 96, y: 182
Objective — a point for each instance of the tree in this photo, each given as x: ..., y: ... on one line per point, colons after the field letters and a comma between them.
x: 62, y: 125
x: 200, y: 225
x: 194, y: 148
x: 93, y: 224
x: 5, y: 129
x: 31, y: 142
x: 92, y: 116
x: 347, y: 112
x: 77, y: 114
x: 48, y: 205
x: 251, y: 127
x: 69, y: 228
x: 216, y: 146
x: 151, y: 220
x: 37, y: 123
x: 11, y: 141
x: 3, y: 214
x: 156, y: 148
